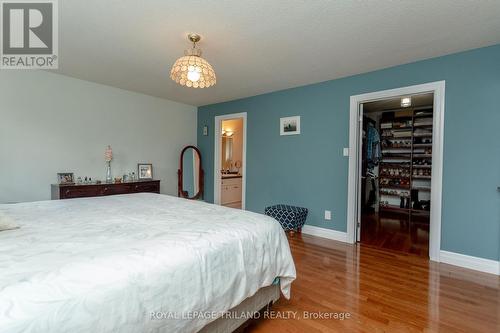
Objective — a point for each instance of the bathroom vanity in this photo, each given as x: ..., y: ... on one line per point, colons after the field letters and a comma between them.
x: 231, y: 189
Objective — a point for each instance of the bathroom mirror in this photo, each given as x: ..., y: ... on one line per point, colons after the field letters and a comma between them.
x: 227, y: 152
x: 190, y: 174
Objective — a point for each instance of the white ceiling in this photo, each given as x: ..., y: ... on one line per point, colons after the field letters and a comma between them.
x: 263, y: 45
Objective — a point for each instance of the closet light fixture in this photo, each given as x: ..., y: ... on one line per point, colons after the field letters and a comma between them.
x: 192, y: 70
x: 405, y: 102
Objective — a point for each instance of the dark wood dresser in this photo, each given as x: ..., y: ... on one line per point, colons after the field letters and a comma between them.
x: 60, y: 191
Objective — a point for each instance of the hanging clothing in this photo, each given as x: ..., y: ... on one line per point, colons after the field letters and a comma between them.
x: 373, y: 153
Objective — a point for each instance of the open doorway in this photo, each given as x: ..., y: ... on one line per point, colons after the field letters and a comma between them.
x: 396, y: 173
x: 230, y: 160
x: 355, y: 204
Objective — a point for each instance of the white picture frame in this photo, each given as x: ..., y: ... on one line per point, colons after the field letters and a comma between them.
x: 290, y: 125
x: 145, y: 171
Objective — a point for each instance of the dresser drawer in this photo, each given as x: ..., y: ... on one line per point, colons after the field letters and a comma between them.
x: 113, y: 189
x: 147, y: 187
x: 79, y: 192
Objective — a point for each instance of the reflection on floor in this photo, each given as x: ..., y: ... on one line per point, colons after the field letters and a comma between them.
x: 391, y: 231
x: 383, y: 291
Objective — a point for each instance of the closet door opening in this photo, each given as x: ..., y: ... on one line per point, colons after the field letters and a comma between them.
x: 396, y: 173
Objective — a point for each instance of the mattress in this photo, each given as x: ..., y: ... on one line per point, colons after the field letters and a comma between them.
x: 113, y: 264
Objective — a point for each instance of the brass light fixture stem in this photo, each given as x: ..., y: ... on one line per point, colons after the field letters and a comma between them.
x: 195, y: 38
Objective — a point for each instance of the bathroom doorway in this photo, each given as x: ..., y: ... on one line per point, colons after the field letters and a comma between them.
x: 230, y: 160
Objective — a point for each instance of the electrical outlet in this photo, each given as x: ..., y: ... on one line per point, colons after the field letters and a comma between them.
x: 328, y: 215
x: 205, y: 130
x: 346, y: 151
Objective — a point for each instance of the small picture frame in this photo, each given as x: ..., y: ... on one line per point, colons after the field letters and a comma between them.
x: 290, y: 125
x: 65, y: 178
x: 145, y: 171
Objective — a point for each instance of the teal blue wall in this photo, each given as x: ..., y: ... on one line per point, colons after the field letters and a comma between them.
x: 309, y: 169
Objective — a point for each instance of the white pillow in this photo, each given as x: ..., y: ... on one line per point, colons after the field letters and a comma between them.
x: 6, y: 222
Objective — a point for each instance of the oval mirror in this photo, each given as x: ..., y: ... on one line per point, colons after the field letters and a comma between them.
x: 190, y: 174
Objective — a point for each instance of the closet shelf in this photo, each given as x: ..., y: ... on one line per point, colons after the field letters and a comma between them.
x: 398, y: 195
x: 393, y: 176
x: 421, y: 211
x: 395, y: 187
x: 426, y: 115
x: 397, y: 156
x: 421, y: 188
x: 392, y: 208
x: 418, y: 131
x: 396, y: 137
x: 395, y: 165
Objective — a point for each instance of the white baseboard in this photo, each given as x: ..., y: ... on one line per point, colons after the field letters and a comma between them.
x: 451, y: 258
x: 475, y: 263
x: 325, y: 233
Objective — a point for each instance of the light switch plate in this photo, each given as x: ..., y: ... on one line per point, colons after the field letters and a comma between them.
x: 346, y: 151
x: 205, y: 130
x: 328, y: 215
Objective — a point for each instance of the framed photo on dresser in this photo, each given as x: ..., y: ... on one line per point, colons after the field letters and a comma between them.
x: 65, y: 178
x: 145, y: 171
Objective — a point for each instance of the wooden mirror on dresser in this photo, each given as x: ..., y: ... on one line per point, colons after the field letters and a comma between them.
x: 190, y: 173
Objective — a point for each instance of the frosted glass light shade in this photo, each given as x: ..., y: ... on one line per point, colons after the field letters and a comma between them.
x: 193, y: 71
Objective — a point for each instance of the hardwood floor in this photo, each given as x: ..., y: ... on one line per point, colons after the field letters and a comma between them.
x: 393, y: 232
x: 383, y: 291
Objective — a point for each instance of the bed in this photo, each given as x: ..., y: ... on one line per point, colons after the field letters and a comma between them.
x: 136, y: 263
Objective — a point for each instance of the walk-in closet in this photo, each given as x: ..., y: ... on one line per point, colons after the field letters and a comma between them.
x: 396, y: 173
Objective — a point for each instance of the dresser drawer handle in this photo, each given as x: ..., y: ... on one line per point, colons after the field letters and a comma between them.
x: 67, y: 192
x: 136, y: 187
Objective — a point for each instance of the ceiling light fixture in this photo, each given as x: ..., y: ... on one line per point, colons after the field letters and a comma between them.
x: 192, y: 70
x: 405, y: 102
x: 227, y: 132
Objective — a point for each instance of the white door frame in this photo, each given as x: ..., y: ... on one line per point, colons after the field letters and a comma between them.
x: 217, y: 152
x: 438, y: 89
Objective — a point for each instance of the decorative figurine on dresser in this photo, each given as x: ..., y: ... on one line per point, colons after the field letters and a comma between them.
x: 108, y: 157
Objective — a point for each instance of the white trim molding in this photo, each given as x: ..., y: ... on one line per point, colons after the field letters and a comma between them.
x: 325, y: 233
x: 217, y: 152
x: 475, y: 263
x: 438, y: 89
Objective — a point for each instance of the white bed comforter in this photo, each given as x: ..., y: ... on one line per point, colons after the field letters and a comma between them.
x: 105, y: 264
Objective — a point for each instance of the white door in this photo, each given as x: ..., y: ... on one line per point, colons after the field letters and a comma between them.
x: 359, y: 173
